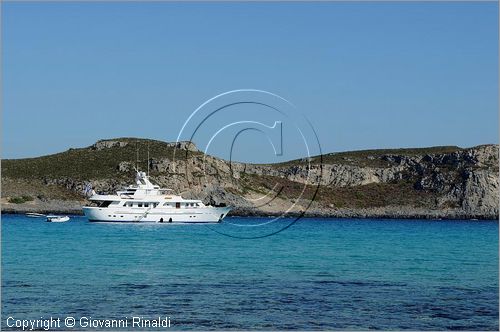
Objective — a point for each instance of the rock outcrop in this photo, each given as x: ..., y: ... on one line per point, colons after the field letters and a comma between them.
x: 107, y: 144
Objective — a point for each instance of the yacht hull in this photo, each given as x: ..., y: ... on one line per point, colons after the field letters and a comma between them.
x: 199, y: 215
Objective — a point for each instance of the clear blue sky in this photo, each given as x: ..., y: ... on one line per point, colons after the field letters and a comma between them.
x: 367, y: 75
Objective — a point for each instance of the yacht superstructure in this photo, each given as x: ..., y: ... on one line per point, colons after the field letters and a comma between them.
x: 146, y: 202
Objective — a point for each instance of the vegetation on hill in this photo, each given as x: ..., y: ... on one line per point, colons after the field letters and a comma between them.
x: 20, y: 199
x: 365, y: 196
x: 93, y: 163
x: 89, y: 162
x: 374, y: 158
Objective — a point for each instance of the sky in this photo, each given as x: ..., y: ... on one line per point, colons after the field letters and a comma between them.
x: 364, y: 75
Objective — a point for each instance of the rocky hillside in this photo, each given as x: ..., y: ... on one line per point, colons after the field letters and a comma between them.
x: 437, y: 182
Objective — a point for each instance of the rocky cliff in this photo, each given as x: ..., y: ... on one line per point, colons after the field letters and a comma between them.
x: 438, y: 182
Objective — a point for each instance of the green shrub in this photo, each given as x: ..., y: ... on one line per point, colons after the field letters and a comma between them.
x: 16, y: 200
x: 20, y: 200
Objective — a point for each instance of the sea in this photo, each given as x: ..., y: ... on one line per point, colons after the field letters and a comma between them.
x: 252, y: 274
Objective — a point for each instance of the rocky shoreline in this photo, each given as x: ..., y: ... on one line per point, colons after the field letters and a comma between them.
x: 397, y: 212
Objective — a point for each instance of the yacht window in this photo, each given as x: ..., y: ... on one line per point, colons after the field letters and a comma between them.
x: 197, y: 204
x: 177, y: 205
x: 146, y: 204
x: 140, y: 204
x: 105, y: 204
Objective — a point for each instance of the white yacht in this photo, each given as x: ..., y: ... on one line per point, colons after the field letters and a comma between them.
x: 146, y: 202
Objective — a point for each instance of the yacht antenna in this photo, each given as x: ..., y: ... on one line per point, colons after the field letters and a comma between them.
x: 136, y: 157
x: 148, y: 159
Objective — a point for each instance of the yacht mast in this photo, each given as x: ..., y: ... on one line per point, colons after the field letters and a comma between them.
x: 136, y: 157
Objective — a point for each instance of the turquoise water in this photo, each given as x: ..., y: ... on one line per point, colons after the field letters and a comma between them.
x: 317, y: 274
